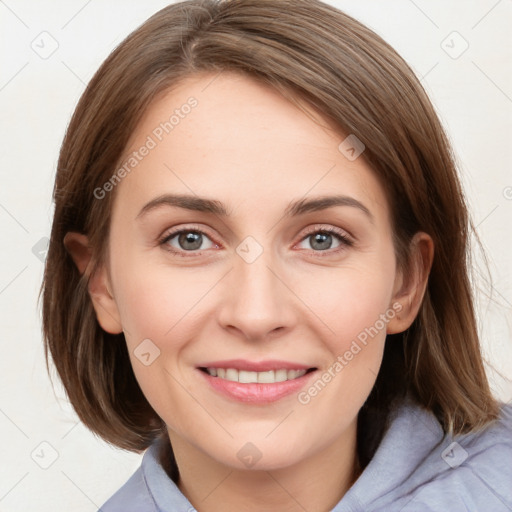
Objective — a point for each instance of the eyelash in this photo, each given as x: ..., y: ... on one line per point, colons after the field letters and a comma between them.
x: 342, y: 238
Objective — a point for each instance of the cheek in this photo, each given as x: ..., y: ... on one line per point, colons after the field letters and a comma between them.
x: 155, y: 300
x: 356, y: 308
x: 359, y: 307
x: 160, y: 305
x: 349, y: 300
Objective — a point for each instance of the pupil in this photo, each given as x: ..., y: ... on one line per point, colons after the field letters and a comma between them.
x: 194, y: 239
x: 322, y: 241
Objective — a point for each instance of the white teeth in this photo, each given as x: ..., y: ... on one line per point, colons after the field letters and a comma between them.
x: 293, y: 374
x: 281, y: 375
x: 247, y: 377
x: 231, y: 374
x: 268, y: 377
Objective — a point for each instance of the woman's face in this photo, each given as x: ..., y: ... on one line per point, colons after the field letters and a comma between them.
x: 245, y: 232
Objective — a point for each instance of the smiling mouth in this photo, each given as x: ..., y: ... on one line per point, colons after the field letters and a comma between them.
x: 249, y: 377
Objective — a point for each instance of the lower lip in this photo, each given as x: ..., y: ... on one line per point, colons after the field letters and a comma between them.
x: 254, y: 392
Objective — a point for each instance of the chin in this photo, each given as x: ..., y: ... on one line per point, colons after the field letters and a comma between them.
x: 263, y: 455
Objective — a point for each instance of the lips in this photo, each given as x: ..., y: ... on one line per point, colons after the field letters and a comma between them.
x: 247, y: 377
x: 256, y: 381
x: 255, y: 366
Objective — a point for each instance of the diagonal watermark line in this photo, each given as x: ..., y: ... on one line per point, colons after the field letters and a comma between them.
x: 286, y: 490
x: 478, y: 22
x: 488, y: 215
x: 199, y: 403
x: 75, y: 15
x: 300, y: 299
x: 14, y: 423
x: 425, y: 75
x: 13, y: 279
x: 17, y: 483
x: 14, y: 218
x: 14, y: 76
x: 3, y: 3
x: 492, y: 287
x: 374, y: 374
x: 424, y: 13
x: 212, y: 80
x: 280, y: 423
x: 73, y: 72
x: 427, y: 425
x: 170, y: 169
x: 492, y: 81
x: 490, y: 367
x: 307, y: 192
x: 70, y: 430
x: 196, y: 303
x: 502, y: 296
x: 217, y: 486
x: 491, y: 489
x: 85, y: 494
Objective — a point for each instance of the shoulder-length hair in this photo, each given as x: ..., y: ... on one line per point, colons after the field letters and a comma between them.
x: 308, y: 51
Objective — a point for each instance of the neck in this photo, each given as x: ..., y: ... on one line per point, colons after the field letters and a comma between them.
x: 317, y: 482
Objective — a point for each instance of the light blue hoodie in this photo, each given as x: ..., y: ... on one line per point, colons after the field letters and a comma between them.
x: 416, y: 468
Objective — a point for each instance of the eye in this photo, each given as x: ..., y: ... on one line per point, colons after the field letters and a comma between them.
x: 322, y: 240
x: 187, y: 240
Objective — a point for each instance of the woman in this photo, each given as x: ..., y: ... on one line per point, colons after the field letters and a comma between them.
x: 257, y: 270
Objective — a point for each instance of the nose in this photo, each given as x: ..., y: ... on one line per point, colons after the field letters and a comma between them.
x: 257, y: 302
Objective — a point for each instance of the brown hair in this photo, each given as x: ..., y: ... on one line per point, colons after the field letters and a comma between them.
x: 312, y: 52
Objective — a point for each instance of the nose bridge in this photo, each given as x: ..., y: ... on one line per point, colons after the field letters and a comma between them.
x: 256, y: 302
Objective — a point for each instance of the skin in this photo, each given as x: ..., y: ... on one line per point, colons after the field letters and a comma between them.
x: 249, y: 148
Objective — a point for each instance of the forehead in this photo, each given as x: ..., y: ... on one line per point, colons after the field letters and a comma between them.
x: 232, y: 138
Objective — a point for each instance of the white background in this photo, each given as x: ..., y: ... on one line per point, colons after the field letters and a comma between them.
x: 472, y: 94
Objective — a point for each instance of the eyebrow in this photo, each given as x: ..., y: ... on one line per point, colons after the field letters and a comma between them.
x: 295, y: 208
x: 322, y: 203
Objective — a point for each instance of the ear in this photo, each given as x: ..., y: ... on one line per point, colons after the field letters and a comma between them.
x: 99, y: 286
x: 409, y: 290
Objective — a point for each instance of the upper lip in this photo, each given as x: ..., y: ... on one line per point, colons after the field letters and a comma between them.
x: 255, y: 366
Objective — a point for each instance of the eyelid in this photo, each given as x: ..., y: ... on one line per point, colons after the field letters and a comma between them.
x: 170, y: 234
x: 345, y: 239
x: 327, y: 229
x: 343, y: 236
x: 316, y: 228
